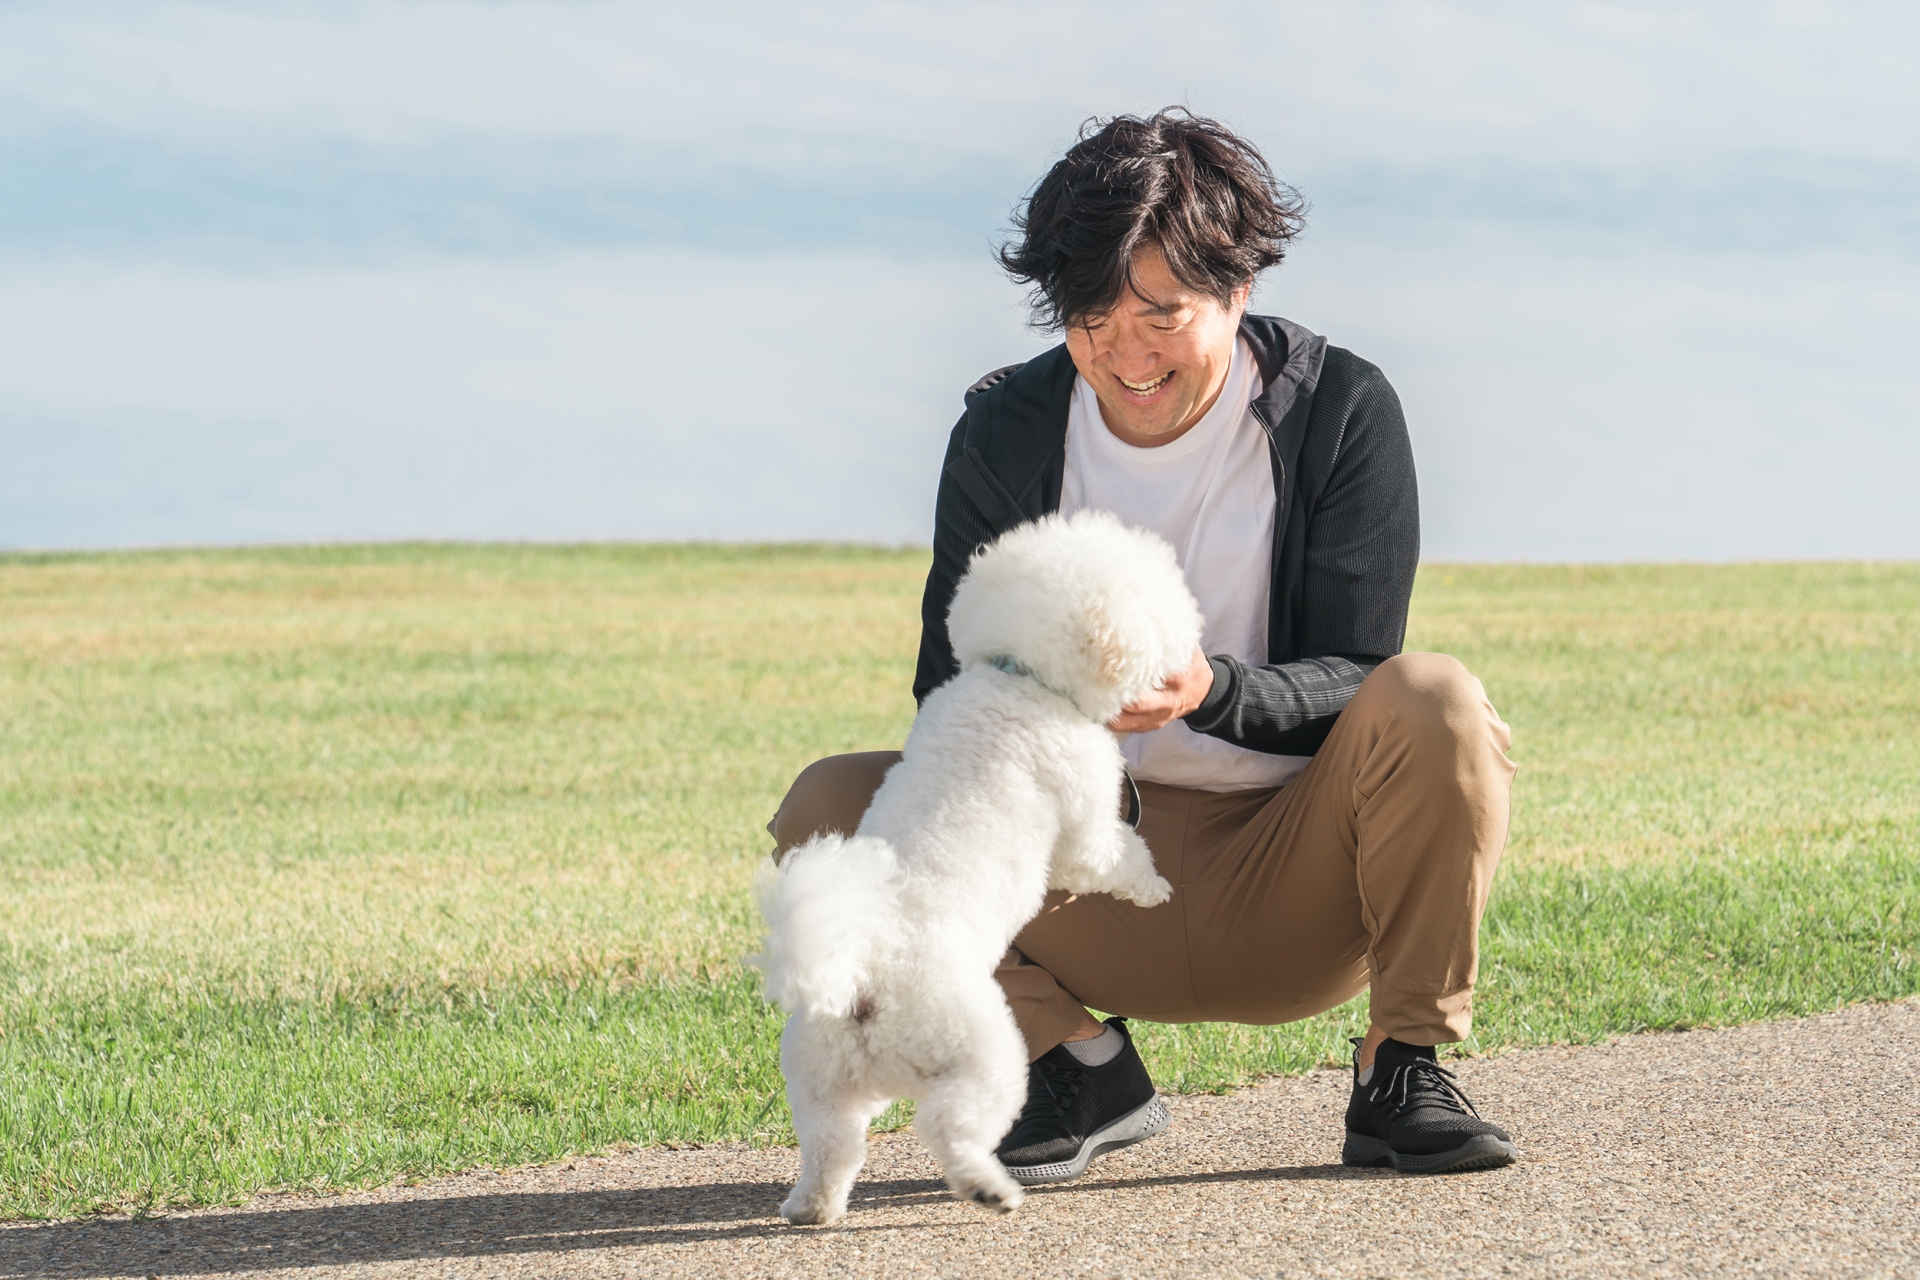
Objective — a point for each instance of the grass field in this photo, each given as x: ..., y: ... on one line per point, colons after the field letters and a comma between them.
x: 324, y: 866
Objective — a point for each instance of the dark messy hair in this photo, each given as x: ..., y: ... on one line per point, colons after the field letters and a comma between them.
x: 1183, y: 182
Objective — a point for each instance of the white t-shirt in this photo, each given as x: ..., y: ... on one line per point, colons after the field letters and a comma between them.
x: 1210, y: 494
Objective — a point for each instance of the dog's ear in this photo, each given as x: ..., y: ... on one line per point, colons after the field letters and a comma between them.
x: 1103, y: 639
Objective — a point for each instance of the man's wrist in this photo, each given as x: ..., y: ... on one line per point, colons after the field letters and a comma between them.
x: 1198, y: 689
x: 1219, y: 696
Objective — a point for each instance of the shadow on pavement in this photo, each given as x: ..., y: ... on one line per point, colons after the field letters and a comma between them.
x: 1293, y: 1173
x: 482, y: 1225
x: 441, y: 1227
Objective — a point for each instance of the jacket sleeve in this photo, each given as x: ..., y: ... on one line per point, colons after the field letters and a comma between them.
x: 958, y: 530
x: 1362, y: 547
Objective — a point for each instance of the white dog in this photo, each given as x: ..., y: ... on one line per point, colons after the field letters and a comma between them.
x: 882, y: 945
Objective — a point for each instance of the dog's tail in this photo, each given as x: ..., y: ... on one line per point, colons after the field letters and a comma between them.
x: 827, y: 911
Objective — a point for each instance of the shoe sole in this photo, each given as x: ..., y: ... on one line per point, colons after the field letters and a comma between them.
x: 1136, y: 1126
x: 1483, y: 1151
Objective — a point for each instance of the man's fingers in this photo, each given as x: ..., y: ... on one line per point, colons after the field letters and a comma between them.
x: 1174, y: 698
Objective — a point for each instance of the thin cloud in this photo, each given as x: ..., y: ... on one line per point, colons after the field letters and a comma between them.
x: 526, y: 269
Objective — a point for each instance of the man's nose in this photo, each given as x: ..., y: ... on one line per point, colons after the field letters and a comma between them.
x: 1133, y: 355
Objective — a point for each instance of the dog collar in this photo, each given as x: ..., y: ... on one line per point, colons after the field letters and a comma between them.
x: 1014, y: 667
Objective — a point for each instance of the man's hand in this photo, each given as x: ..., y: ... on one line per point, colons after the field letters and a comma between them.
x: 1179, y: 695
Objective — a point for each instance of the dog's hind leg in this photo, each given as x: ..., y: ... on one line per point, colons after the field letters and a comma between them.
x: 833, y: 1146
x: 831, y: 1120
x: 964, y: 1112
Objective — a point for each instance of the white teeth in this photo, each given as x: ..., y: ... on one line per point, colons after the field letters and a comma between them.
x: 1146, y: 386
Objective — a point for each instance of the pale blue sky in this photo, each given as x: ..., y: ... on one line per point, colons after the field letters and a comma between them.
x: 1646, y: 276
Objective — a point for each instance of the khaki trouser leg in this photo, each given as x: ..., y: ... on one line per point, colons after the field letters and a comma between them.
x: 1374, y: 863
x: 829, y: 795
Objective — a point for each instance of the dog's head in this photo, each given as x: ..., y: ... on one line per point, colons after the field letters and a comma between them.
x: 1092, y: 607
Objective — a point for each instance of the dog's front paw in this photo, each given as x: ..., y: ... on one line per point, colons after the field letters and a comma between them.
x: 1148, y: 893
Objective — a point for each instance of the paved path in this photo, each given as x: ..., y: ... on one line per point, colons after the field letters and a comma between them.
x: 1779, y: 1149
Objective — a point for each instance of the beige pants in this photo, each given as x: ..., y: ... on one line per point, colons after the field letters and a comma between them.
x: 1371, y: 868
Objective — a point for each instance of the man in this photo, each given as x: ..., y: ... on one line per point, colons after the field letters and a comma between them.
x: 1329, y: 811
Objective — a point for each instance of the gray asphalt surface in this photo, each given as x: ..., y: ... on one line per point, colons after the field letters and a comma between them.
x: 1783, y: 1149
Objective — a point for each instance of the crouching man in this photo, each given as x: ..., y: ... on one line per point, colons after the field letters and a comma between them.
x: 1329, y: 810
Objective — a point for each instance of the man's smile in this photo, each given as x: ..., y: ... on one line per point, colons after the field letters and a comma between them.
x: 1146, y: 388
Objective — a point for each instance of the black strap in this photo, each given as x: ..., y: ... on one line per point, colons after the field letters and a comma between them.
x: 989, y: 497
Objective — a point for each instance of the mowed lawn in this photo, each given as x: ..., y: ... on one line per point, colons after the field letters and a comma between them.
x: 320, y: 867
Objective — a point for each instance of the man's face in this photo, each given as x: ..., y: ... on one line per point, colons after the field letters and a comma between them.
x: 1157, y: 361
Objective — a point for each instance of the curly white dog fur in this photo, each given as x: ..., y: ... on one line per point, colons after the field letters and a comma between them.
x: 882, y: 945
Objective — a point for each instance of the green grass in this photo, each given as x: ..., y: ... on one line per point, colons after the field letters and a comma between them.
x: 324, y: 866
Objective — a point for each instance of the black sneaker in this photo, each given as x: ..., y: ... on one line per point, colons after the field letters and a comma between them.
x: 1076, y: 1112
x: 1413, y: 1116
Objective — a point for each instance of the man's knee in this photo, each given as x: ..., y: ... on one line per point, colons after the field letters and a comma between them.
x: 829, y: 795
x: 1431, y: 679
x: 1433, y: 697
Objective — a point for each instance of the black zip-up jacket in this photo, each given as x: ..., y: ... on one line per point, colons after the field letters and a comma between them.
x: 1346, y: 527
